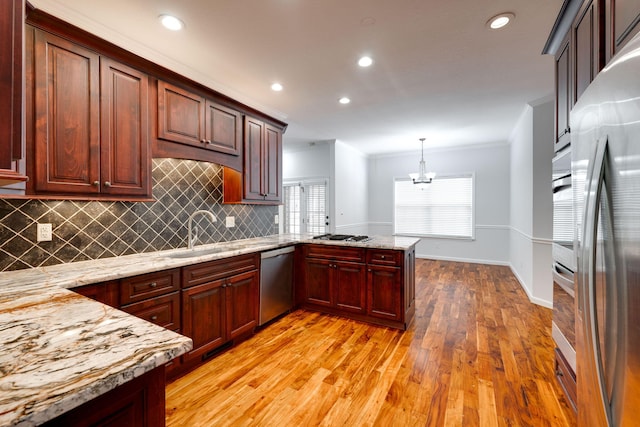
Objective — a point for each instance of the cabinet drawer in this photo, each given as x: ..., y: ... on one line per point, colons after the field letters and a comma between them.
x: 384, y: 257
x: 150, y: 285
x: 163, y: 310
x: 214, y: 270
x: 566, y: 377
x: 335, y: 252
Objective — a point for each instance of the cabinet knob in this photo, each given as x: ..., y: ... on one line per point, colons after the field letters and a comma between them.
x: 96, y: 183
x: 153, y: 284
x: 369, y: 270
x: 208, y: 141
x: 154, y: 317
x: 382, y: 257
x: 107, y: 184
x: 204, y: 141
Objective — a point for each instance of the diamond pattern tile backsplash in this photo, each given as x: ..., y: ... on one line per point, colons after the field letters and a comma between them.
x: 93, y: 230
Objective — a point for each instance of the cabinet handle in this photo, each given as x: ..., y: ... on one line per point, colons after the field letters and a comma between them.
x: 153, y: 284
x: 154, y: 317
x: 96, y: 183
x: 107, y: 184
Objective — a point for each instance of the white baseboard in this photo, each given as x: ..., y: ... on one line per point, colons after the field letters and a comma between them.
x: 535, y: 300
x: 469, y: 260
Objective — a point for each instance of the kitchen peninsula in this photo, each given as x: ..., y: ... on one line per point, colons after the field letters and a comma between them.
x: 63, y: 350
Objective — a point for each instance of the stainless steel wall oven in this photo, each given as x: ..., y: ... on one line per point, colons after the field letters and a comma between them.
x: 564, y: 261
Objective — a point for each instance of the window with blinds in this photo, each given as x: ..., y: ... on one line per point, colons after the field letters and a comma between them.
x: 305, y: 207
x: 443, y: 208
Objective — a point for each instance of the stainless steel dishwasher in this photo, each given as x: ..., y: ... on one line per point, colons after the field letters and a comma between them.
x: 276, y: 283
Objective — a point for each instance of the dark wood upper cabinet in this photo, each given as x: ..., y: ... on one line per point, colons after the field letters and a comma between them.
x: 622, y: 23
x: 563, y: 95
x: 224, y: 129
x: 187, y: 118
x: 11, y: 64
x: 180, y: 115
x: 91, y: 123
x: 67, y: 117
x: 124, y: 142
x: 261, y: 179
x: 587, y: 47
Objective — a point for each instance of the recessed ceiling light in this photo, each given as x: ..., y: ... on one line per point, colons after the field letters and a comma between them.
x: 344, y: 100
x: 276, y: 87
x: 171, y: 22
x: 365, y: 61
x: 500, y: 21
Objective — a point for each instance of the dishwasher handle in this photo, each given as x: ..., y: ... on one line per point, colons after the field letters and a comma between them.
x: 277, y: 252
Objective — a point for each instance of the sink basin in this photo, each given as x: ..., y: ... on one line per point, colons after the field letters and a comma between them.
x: 196, y: 253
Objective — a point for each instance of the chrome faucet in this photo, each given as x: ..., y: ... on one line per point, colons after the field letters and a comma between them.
x: 193, y: 236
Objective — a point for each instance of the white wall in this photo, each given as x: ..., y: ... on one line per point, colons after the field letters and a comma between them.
x: 490, y: 164
x: 531, y: 204
x: 351, y: 190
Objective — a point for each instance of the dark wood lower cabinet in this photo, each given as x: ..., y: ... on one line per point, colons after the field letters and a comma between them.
x: 566, y: 377
x: 384, y: 292
x: 375, y: 285
x: 137, y: 403
x: 203, y: 317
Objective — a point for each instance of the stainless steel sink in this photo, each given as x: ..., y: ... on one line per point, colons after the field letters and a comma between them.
x: 197, y: 253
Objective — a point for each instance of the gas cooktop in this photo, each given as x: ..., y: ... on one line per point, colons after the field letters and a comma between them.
x: 343, y: 237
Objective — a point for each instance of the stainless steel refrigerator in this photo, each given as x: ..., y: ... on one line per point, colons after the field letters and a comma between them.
x: 605, y: 129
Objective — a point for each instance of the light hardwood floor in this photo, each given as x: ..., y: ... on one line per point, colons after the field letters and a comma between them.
x: 477, y: 353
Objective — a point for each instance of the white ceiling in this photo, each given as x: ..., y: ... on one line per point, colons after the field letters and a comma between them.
x: 438, y: 73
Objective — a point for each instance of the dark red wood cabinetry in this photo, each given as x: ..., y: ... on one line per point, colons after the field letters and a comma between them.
x: 11, y: 144
x: 373, y: 285
x: 261, y: 179
x: 139, y: 402
x: 90, y: 118
x: 188, y: 118
x: 563, y: 95
x: 219, y: 302
x: 333, y: 282
x: 621, y: 24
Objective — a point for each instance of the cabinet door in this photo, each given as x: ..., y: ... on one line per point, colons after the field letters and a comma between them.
x: 349, y: 287
x: 384, y: 294
x: 318, y: 274
x: 272, y: 164
x: 586, y: 48
x: 203, y: 317
x: 67, y: 117
x: 622, y: 24
x: 125, y: 157
x: 11, y: 34
x: 223, y: 129
x: 242, y: 303
x: 253, y: 173
x: 180, y: 115
x: 563, y: 96
x: 106, y: 293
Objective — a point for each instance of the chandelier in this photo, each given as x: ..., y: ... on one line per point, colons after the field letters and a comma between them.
x: 422, y: 177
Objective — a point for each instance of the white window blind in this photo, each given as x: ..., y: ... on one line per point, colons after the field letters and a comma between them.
x: 443, y: 208
x: 316, y: 195
x: 292, y: 211
x: 305, y: 207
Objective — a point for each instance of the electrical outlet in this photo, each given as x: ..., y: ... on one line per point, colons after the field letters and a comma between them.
x: 276, y: 219
x: 231, y: 221
x: 44, y: 233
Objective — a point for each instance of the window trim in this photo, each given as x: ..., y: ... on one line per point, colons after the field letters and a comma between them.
x: 471, y: 175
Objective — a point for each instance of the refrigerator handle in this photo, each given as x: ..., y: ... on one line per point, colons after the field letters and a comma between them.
x: 595, y: 178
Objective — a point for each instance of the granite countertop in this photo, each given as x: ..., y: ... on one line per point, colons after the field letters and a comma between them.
x: 60, y: 349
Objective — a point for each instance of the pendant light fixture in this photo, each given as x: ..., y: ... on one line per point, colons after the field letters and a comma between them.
x: 422, y: 177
